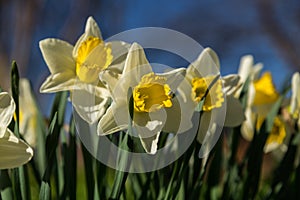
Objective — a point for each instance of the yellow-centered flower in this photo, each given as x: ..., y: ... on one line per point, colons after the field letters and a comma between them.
x: 14, y: 152
x: 261, y: 97
x: 202, y: 76
x: 86, y: 71
x: 156, y: 104
x: 76, y: 69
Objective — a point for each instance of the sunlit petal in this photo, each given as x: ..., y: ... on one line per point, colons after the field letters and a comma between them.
x: 57, y: 55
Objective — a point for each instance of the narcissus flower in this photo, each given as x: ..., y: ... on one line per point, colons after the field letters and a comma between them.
x: 276, y: 136
x: 76, y: 69
x: 156, y: 103
x: 261, y: 97
x: 203, y: 76
x: 14, y: 152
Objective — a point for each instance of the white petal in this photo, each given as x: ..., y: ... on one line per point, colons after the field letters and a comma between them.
x: 231, y: 84
x: 7, y: 109
x: 57, y: 55
x: 59, y: 82
x: 150, y: 143
x: 295, y: 98
x: 246, y: 64
x: 179, y: 116
x: 206, y: 64
x: 247, y: 129
x: 119, y: 51
x: 91, y: 29
x: 114, y: 120
x: 135, y: 62
x: 256, y: 70
x: 110, y: 77
x: 89, y: 106
x: 203, y: 126
x: 271, y: 147
x: 13, y: 151
x: 174, y: 77
x: 234, y: 112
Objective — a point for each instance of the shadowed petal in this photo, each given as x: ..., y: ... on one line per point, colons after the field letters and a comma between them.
x: 234, y: 112
x: 113, y: 120
x: 13, y: 151
x: 59, y: 82
x: 89, y: 106
x: 7, y: 109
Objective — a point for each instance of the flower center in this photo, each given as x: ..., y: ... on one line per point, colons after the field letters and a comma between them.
x: 277, y: 134
x: 93, y: 56
x: 151, y: 94
x: 265, y: 92
x: 214, y: 97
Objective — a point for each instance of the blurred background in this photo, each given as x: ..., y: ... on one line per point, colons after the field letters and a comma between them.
x: 267, y: 29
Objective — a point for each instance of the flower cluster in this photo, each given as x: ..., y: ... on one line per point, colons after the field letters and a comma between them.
x: 127, y: 100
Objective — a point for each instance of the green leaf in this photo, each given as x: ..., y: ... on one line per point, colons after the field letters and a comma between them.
x: 122, y: 159
x: 15, y: 90
x: 88, y: 169
x: 21, y: 179
x: 5, y: 185
x: 45, y: 192
x: 284, y: 171
x: 256, y: 151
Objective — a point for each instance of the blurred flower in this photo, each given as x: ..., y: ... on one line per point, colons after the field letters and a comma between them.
x: 276, y: 136
x: 203, y: 76
x: 295, y: 99
x: 28, y: 113
x: 13, y: 151
x: 76, y: 69
x: 261, y: 97
x: 247, y: 70
x: 156, y: 105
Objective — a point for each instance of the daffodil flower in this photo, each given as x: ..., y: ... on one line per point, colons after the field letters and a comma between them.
x: 14, y: 152
x: 276, y: 136
x: 295, y: 98
x: 261, y: 97
x: 201, y: 75
x: 156, y: 104
x: 76, y: 69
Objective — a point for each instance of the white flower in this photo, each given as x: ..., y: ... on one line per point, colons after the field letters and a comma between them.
x: 156, y: 103
x: 200, y: 75
x: 262, y: 95
x: 13, y: 151
x: 76, y: 69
